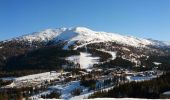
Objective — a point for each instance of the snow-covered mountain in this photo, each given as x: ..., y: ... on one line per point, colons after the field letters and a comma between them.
x: 86, y: 36
x: 80, y: 47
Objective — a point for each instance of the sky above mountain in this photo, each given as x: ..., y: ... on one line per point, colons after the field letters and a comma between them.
x: 141, y: 18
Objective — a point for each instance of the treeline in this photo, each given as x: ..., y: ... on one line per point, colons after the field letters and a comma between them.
x: 146, y: 89
x: 23, y: 92
x: 52, y: 95
x: 164, y: 60
x: 18, y: 58
x: 90, y: 83
x: 118, y: 62
x: 144, y: 56
x: 104, y: 56
x: 21, y: 72
x: 5, y: 82
x: 45, y: 58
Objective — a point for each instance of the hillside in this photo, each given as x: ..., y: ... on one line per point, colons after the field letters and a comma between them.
x: 51, y: 48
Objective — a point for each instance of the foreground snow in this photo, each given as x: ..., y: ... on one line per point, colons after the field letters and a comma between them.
x: 109, y: 99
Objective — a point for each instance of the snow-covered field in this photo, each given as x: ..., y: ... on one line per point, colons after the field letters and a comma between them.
x: 84, y: 59
x: 42, y: 76
x: 110, y: 99
x: 34, y: 79
x: 75, y: 59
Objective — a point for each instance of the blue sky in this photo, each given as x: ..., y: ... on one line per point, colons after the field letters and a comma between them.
x: 141, y: 18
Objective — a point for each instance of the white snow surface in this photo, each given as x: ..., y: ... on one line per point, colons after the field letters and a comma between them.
x: 41, y: 76
x: 109, y: 99
x: 157, y: 63
x: 137, y: 78
x: 46, y: 35
x: 35, y: 78
x: 75, y: 59
x: 85, y: 35
x: 86, y: 61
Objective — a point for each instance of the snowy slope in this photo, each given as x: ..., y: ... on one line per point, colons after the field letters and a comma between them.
x: 46, y: 35
x: 84, y: 59
x: 86, y: 36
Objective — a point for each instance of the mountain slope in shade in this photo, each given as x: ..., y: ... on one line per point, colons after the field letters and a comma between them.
x: 85, y: 36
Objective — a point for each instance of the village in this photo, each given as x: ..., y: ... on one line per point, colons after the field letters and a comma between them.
x: 65, y: 83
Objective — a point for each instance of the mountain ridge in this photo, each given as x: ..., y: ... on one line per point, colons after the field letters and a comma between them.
x: 40, y: 49
x: 85, y: 34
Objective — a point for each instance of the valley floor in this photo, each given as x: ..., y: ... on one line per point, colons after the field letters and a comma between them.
x: 65, y: 83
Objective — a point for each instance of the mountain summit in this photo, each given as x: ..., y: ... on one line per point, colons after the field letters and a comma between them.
x: 85, y: 35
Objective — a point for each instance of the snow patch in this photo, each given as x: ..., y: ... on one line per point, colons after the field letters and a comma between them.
x: 126, y: 49
x: 74, y: 59
x: 41, y: 76
x: 157, y: 63
x: 137, y: 78
x: 86, y: 61
x: 167, y: 93
x: 33, y: 79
